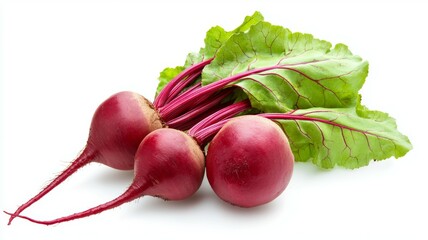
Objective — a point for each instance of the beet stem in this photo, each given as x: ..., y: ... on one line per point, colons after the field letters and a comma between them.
x: 203, y: 131
x: 87, y: 155
x: 199, y: 109
x: 192, y: 122
x: 177, y: 105
x: 182, y: 85
x: 164, y: 95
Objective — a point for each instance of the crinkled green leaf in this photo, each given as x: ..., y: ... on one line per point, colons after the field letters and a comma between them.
x: 308, y: 72
x: 347, y: 137
x: 217, y: 36
x: 214, y: 39
x: 329, y: 126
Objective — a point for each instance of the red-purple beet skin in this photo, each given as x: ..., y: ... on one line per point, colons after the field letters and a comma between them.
x: 249, y: 161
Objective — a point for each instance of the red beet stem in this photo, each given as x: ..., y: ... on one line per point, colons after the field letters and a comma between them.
x: 199, y: 109
x: 182, y: 85
x: 133, y: 192
x: 87, y: 156
x: 203, y: 131
x: 192, y: 122
x: 164, y: 96
x: 176, y: 106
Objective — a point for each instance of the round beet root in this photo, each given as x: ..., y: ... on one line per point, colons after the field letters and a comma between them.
x: 249, y: 162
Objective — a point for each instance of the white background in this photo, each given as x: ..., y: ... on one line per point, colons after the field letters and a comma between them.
x: 60, y: 59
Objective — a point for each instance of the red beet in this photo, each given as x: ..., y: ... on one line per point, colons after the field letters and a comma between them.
x: 168, y: 164
x: 118, y: 126
x: 249, y: 161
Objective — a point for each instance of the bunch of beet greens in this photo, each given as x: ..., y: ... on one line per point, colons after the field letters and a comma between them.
x: 244, y: 108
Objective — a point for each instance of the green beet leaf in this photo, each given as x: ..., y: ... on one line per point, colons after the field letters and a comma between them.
x: 214, y: 39
x: 306, y: 84
x: 307, y: 72
x: 347, y: 137
x: 217, y: 36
